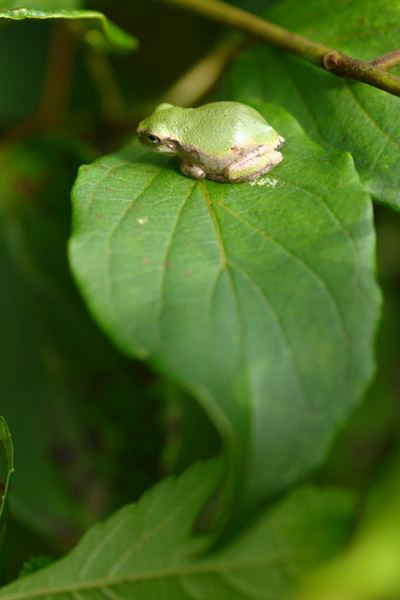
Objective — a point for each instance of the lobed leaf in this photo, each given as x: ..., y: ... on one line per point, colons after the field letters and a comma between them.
x: 143, y: 551
x: 337, y: 113
x: 259, y: 298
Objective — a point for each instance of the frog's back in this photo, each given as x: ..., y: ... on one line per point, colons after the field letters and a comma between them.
x: 227, y: 123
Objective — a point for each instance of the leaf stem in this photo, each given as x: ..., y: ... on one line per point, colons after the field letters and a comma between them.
x: 371, y: 72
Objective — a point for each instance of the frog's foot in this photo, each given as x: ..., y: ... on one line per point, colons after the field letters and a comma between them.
x: 253, y: 165
x: 281, y: 143
x: 192, y: 170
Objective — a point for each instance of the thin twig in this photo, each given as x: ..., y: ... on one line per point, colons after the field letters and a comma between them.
x: 371, y: 72
x: 58, y: 77
x: 198, y: 80
x: 387, y: 61
x: 260, y: 28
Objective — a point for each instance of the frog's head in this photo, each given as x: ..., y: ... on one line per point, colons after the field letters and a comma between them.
x: 160, y: 131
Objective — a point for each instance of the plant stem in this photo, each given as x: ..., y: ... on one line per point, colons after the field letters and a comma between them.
x: 200, y: 78
x: 371, y: 72
x: 257, y: 27
x: 58, y: 76
x: 345, y: 66
x: 387, y: 61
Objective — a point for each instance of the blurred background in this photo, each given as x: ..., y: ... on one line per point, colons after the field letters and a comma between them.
x: 76, y: 408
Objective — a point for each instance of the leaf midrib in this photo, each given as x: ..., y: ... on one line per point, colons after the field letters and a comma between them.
x: 110, y: 240
x: 158, y: 528
x: 189, y: 570
x: 164, y: 263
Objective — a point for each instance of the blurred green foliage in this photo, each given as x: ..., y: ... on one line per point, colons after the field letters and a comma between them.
x: 94, y: 429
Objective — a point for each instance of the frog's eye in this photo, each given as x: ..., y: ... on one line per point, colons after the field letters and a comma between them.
x: 153, y: 138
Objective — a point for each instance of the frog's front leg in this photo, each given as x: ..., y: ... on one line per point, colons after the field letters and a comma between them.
x: 192, y: 170
x: 253, y: 165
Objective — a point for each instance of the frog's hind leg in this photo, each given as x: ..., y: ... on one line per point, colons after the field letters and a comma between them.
x: 253, y: 165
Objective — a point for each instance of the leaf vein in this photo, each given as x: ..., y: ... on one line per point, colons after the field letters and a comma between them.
x: 197, y: 491
x: 338, y: 222
x: 314, y: 274
x: 235, y: 297
x: 283, y: 334
x: 283, y: 61
x: 107, y: 593
x: 173, y: 572
x: 110, y: 237
x: 367, y: 114
x: 97, y: 549
x: 360, y: 34
x: 247, y: 591
x: 162, y: 293
x: 103, y: 177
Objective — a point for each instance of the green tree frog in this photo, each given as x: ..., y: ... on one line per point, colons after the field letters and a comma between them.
x: 224, y: 141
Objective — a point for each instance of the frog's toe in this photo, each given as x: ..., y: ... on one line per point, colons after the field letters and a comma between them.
x: 192, y: 170
x: 281, y: 143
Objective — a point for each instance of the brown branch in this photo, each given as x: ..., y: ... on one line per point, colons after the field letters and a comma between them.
x: 345, y: 66
x: 387, y: 61
x: 371, y: 72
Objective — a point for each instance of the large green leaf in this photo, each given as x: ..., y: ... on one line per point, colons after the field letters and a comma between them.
x: 6, y: 442
x: 96, y: 28
x: 143, y: 551
x: 335, y: 112
x: 259, y: 298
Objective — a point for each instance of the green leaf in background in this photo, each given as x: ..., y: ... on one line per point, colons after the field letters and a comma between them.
x: 362, y: 446
x: 59, y: 376
x: 97, y: 30
x: 337, y: 113
x: 41, y: 4
x: 36, y: 563
x: 22, y: 75
x: 190, y: 435
x: 143, y: 550
x: 259, y: 298
x: 7, y: 445
x: 46, y: 71
x: 369, y: 568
